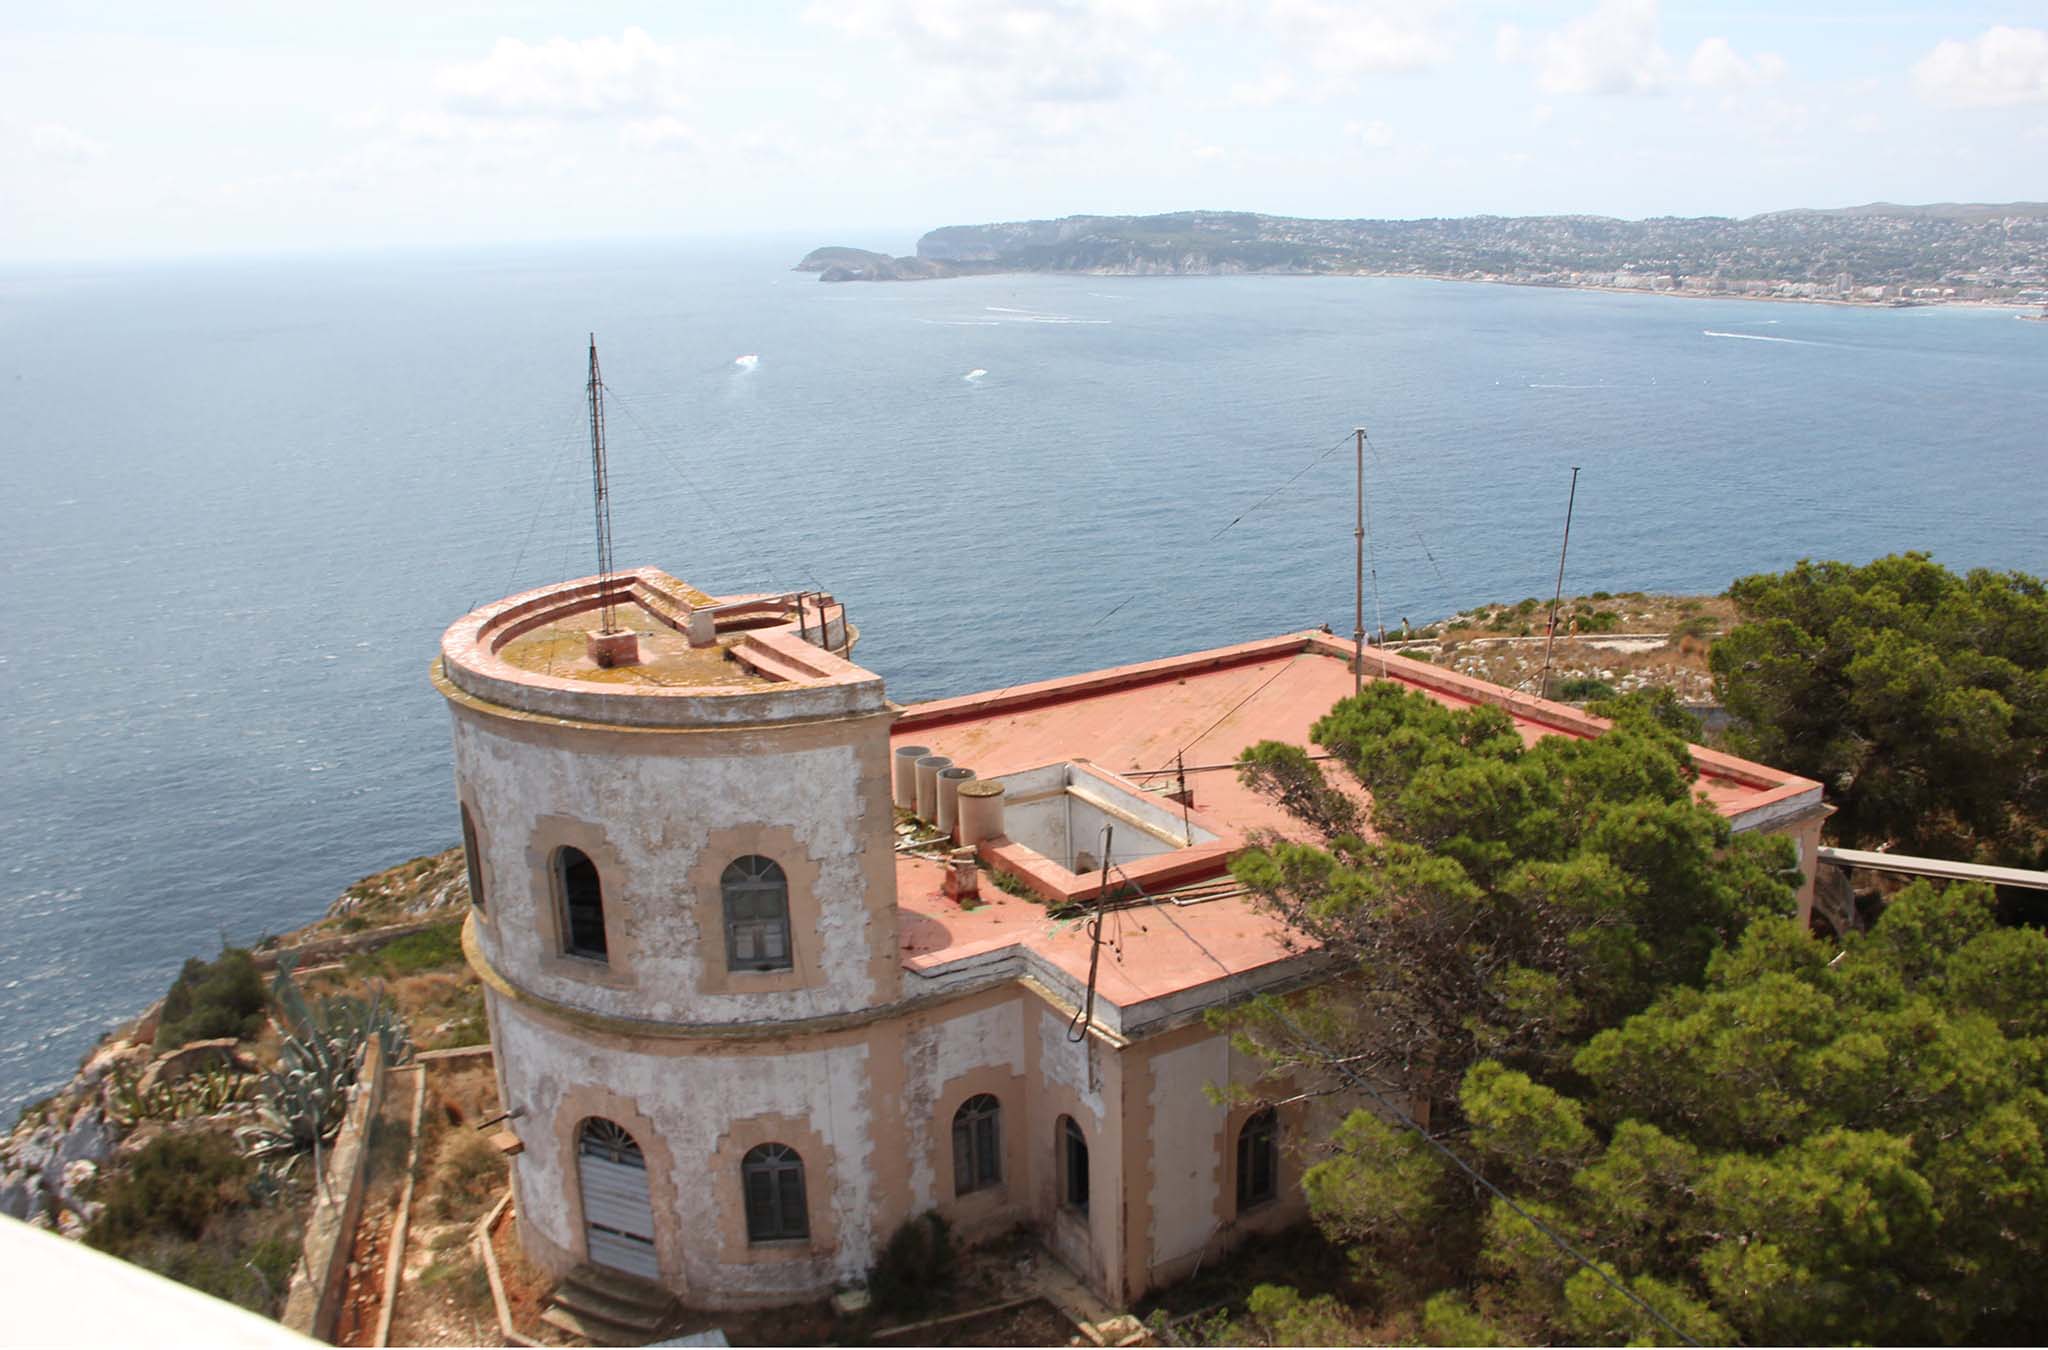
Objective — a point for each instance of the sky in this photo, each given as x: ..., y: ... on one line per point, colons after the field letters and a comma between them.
x: 139, y: 130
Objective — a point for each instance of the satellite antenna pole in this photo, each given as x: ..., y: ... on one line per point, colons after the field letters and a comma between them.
x: 1551, y: 636
x: 1358, y: 587
x: 600, y: 488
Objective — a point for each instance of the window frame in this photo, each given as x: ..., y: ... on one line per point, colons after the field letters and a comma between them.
x: 1258, y: 1160
x: 749, y: 886
x: 472, y: 855
x: 978, y: 1144
x: 780, y: 1169
x: 1073, y: 1141
x: 569, y: 902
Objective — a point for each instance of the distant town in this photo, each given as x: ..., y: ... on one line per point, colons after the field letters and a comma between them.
x: 1876, y: 254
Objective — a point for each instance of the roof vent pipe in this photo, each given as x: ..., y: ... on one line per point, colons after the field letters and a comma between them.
x: 905, y: 775
x: 981, y: 811
x: 928, y: 785
x: 949, y: 797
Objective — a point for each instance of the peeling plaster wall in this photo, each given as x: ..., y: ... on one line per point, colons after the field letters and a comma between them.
x: 940, y: 1054
x: 1074, y: 1065
x: 693, y: 1103
x: 1187, y: 1169
x: 654, y: 800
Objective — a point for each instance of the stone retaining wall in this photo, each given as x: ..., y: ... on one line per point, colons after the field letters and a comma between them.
x: 318, y: 1282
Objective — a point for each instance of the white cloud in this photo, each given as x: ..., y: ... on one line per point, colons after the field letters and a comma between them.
x: 561, y: 77
x: 1210, y: 152
x: 1363, y: 37
x: 1613, y: 50
x: 1275, y: 86
x: 2001, y: 67
x: 1029, y: 51
x: 53, y: 140
x: 1374, y: 135
x: 1716, y: 64
x: 658, y: 133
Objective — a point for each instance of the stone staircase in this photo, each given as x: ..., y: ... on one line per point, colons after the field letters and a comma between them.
x: 609, y: 1307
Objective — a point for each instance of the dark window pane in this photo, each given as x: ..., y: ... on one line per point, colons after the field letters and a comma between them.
x: 583, y: 902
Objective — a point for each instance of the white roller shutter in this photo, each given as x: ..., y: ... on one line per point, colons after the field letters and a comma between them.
x: 618, y: 1219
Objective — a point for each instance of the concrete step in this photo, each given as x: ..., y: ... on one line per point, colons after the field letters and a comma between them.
x: 589, y: 1302
x: 618, y: 1285
x: 595, y: 1330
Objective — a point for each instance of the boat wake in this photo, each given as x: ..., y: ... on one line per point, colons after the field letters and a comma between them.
x: 1761, y: 337
x: 1035, y: 316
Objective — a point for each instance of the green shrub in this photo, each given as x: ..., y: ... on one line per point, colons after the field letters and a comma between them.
x: 210, y: 999
x: 429, y: 949
x: 914, y: 1267
x: 176, y: 1184
x: 1700, y: 626
x: 1012, y: 884
x: 1580, y: 688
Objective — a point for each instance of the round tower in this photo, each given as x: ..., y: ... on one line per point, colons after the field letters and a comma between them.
x: 677, y: 814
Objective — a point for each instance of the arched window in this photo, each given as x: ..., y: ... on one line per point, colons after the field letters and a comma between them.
x: 1258, y: 1160
x: 756, y: 914
x: 473, y: 858
x: 977, y: 1144
x: 1073, y: 1166
x: 582, y: 898
x: 773, y: 1175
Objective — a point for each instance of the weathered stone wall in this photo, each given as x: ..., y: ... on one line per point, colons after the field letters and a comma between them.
x: 661, y: 814
x: 314, y: 1301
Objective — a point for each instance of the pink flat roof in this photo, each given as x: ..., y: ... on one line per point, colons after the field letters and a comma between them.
x: 1207, y: 706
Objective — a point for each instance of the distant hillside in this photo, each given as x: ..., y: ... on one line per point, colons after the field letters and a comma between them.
x: 1877, y: 252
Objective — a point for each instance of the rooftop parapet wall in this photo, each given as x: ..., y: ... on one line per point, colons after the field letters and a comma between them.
x: 692, y: 675
x: 1751, y: 795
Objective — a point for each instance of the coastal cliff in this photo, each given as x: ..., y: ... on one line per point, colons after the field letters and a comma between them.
x: 1881, y: 253
x: 837, y: 263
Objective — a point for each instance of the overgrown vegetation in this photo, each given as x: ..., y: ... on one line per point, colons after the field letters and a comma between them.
x: 1587, y: 986
x: 914, y: 1268
x: 184, y: 1207
x: 468, y: 1173
x: 1919, y: 697
x: 433, y: 948
x: 1518, y: 901
x: 1580, y: 688
x: 211, y: 999
x: 305, y: 1098
x: 1011, y: 884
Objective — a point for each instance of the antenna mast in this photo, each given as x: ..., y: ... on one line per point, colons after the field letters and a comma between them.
x: 1358, y: 586
x: 600, y: 488
x: 1551, y: 636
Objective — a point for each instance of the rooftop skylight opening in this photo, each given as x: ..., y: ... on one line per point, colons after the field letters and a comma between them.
x: 1059, y: 811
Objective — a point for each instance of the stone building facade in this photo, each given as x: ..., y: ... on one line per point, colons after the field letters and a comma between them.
x: 744, y: 1033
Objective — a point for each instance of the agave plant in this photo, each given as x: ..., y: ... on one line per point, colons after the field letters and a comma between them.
x: 304, y: 1099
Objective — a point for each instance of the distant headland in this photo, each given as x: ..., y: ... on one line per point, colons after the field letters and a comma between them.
x: 1881, y: 253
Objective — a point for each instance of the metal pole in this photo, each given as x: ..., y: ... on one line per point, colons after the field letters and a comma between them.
x: 600, y: 491
x: 1358, y: 588
x: 1551, y: 636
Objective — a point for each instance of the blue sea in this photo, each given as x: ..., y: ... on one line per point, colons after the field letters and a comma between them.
x: 243, y: 499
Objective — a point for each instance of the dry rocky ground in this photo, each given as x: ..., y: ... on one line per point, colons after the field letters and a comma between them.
x: 1626, y: 641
